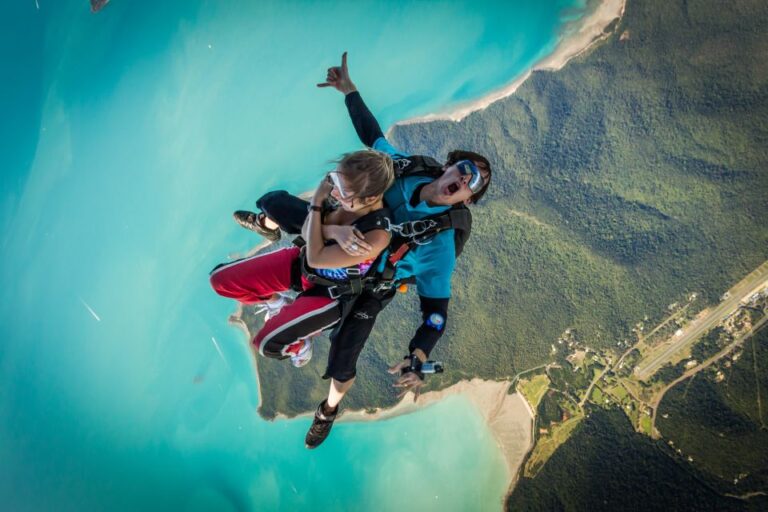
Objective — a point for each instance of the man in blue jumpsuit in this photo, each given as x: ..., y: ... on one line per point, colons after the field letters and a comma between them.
x: 411, y: 198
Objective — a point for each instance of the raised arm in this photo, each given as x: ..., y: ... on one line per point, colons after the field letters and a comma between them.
x: 366, y: 126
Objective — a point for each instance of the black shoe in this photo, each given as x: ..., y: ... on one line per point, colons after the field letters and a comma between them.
x: 320, y: 428
x: 254, y: 222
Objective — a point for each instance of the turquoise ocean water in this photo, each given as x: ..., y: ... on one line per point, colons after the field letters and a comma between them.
x: 126, y: 140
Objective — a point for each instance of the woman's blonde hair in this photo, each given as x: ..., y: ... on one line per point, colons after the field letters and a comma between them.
x: 367, y: 173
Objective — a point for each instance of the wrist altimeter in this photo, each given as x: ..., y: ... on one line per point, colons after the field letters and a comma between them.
x: 415, y: 365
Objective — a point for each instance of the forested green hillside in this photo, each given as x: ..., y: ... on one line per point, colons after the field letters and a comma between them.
x: 633, y: 175
x: 606, y: 465
x: 720, y: 420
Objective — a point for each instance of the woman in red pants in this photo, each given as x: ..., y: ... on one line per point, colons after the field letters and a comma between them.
x: 357, y: 186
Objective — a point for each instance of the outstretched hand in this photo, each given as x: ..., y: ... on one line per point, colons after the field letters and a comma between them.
x: 408, y: 382
x: 338, y: 78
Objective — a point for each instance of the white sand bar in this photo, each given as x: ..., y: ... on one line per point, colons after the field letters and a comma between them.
x: 508, y: 416
x: 591, y: 28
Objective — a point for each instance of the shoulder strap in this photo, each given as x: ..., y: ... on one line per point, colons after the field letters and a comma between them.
x: 410, y: 234
x: 458, y: 218
x: 377, y: 219
x: 417, y: 165
x: 461, y: 221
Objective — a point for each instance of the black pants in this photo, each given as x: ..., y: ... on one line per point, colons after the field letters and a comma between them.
x: 287, y: 210
x: 348, y: 339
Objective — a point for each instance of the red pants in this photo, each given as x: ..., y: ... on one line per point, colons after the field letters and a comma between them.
x: 257, y: 279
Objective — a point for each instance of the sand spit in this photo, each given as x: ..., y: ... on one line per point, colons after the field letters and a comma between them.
x: 591, y: 28
x: 508, y: 416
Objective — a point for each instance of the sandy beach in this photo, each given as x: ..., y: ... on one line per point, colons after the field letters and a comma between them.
x: 587, y: 31
x: 508, y: 416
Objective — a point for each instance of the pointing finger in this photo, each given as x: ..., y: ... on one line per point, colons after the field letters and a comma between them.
x: 344, y: 62
x: 324, y: 84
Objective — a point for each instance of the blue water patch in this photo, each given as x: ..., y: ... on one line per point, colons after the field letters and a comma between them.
x: 129, y: 137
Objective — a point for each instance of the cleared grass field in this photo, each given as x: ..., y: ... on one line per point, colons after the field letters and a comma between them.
x: 547, y: 444
x: 533, y: 389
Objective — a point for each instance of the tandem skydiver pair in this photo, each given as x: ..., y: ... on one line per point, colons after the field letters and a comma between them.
x: 409, y: 229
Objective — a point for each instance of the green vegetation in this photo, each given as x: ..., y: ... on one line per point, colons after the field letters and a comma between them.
x: 548, y: 443
x: 629, y: 363
x: 533, y: 390
x: 669, y: 372
x: 710, y: 344
x: 646, y: 425
x: 549, y: 410
x: 719, y: 418
x: 605, y: 465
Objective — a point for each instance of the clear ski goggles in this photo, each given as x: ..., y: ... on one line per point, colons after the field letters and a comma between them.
x: 467, y: 168
x: 333, y: 179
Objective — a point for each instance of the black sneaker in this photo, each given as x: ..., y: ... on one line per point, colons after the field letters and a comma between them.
x: 320, y: 428
x: 254, y: 222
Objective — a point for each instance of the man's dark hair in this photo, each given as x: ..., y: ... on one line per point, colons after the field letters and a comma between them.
x: 482, y: 163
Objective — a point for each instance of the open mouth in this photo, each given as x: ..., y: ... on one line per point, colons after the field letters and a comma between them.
x: 452, y: 188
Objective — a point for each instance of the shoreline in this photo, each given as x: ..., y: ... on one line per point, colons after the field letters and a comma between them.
x: 591, y: 29
x: 507, y: 415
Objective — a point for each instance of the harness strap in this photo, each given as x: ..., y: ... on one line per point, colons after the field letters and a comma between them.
x: 355, y: 283
x: 416, y: 165
x: 296, y: 271
x: 399, y: 253
x: 420, y: 231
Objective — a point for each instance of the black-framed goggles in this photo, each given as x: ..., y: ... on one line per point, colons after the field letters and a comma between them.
x: 467, y: 168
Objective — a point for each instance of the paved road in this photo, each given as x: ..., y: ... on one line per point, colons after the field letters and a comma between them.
x: 746, y: 287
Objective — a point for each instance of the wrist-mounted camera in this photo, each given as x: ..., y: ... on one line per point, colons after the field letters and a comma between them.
x: 420, y: 369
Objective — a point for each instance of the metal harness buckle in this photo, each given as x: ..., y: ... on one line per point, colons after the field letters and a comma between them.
x: 412, y: 228
x: 334, y: 292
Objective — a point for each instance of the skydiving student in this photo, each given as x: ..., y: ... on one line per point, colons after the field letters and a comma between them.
x: 429, y: 228
x: 357, y: 186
